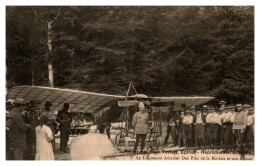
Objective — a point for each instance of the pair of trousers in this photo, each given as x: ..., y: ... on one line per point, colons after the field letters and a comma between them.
x: 64, y: 138
x: 228, y: 137
x: 170, y: 130
x: 143, y: 137
x: 30, y: 144
x: 199, y: 134
x: 187, y: 135
x: 212, y: 132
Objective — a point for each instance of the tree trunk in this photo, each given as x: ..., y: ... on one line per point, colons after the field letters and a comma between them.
x: 50, y: 67
x: 32, y: 69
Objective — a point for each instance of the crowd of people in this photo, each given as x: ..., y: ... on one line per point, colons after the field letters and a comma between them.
x: 30, y: 130
x: 199, y: 126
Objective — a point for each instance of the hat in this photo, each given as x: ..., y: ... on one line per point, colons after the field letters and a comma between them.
x: 48, y: 103
x: 66, y: 105
x: 32, y: 103
x: 198, y: 108
x: 251, y: 108
x: 222, y: 102
x: 19, y: 101
x: 246, y: 106
x: 211, y: 108
x: 231, y: 107
x: 238, y: 105
x: 204, y: 107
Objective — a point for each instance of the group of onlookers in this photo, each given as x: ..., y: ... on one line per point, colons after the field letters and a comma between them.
x: 30, y: 130
x: 209, y: 126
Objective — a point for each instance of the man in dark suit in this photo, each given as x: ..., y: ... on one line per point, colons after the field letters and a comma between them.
x: 199, y: 121
x: 64, y: 118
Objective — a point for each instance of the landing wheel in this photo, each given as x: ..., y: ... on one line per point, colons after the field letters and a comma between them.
x: 154, y: 140
x: 120, y: 140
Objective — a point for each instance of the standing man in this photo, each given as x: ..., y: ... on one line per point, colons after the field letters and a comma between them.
x: 187, y: 128
x: 239, y: 124
x: 47, y: 111
x: 227, y: 124
x: 64, y: 118
x: 180, y: 128
x: 249, y: 132
x: 31, y: 119
x: 213, y: 121
x: 199, y: 121
x: 140, y: 125
x: 171, y: 127
x: 205, y: 113
x: 17, y: 128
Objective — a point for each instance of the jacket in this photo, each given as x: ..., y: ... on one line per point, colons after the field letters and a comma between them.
x: 140, y: 122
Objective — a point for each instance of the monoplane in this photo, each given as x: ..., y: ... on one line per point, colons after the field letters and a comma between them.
x: 92, y: 103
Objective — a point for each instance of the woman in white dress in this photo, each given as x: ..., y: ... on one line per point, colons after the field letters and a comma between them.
x: 43, y: 141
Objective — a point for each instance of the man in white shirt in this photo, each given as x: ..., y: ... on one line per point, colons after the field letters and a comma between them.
x: 187, y: 126
x: 213, y: 121
x: 227, y: 122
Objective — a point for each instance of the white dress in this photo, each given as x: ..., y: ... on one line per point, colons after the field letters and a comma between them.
x: 43, y: 143
x: 91, y: 146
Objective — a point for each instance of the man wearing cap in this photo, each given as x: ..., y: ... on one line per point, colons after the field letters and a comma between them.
x: 199, y: 121
x: 227, y: 123
x: 47, y: 111
x: 213, y: 121
x: 65, y: 119
x: 171, y: 127
x: 239, y: 124
x: 187, y: 128
x: 222, y: 105
x: 249, y: 132
x: 17, y: 128
x: 32, y: 117
x: 140, y: 126
x: 246, y: 107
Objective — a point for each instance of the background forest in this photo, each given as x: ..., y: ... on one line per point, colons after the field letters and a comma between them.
x: 165, y: 51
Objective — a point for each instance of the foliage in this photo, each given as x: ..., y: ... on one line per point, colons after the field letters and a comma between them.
x: 165, y: 51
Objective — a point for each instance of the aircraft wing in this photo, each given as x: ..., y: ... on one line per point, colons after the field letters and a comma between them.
x: 80, y: 101
x: 178, y: 101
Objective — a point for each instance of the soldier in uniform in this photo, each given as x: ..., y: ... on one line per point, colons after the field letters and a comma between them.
x: 47, y: 111
x: 187, y: 128
x: 32, y: 117
x: 140, y: 126
x: 199, y: 121
x: 17, y: 128
x: 239, y: 124
x: 213, y: 121
x: 65, y: 119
